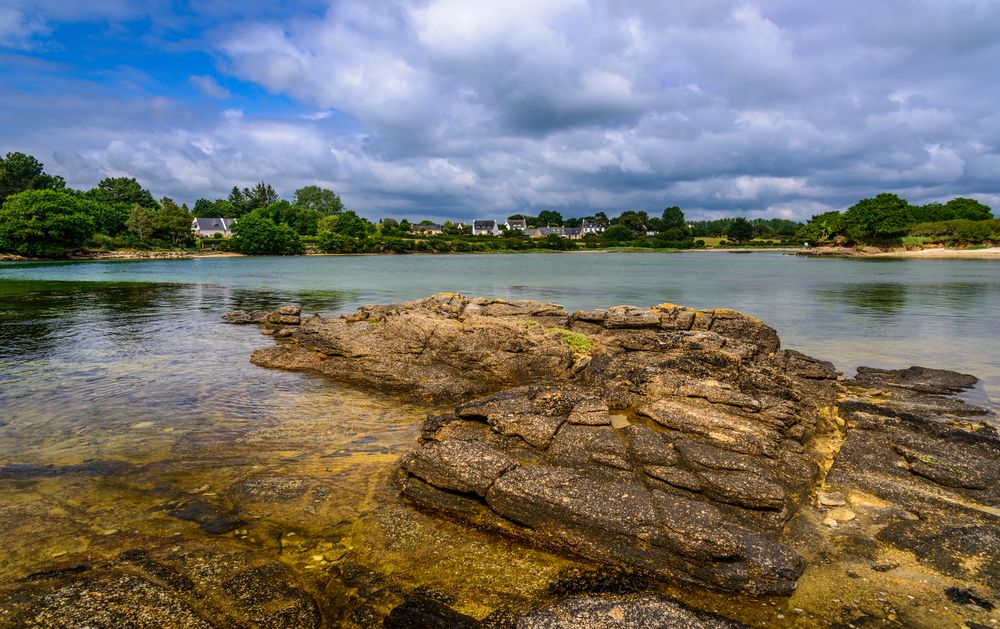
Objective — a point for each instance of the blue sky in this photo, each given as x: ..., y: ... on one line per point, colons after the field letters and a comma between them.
x: 455, y: 109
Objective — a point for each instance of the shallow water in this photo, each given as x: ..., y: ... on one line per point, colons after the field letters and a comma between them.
x: 121, y: 392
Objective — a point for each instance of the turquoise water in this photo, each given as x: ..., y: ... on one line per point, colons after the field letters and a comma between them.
x: 121, y: 390
x: 887, y: 313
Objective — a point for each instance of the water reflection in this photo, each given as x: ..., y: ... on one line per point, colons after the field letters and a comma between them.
x: 882, y: 301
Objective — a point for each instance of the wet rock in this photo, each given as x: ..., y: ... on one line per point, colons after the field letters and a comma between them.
x: 968, y: 597
x: 243, y: 317
x: 212, y: 519
x: 831, y: 499
x: 424, y: 611
x: 617, y: 611
x: 462, y: 466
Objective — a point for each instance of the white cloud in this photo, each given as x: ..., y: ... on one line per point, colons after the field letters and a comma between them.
x: 210, y: 87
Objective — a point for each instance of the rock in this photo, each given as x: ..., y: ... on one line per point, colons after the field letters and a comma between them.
x: 243, y: 317
x: 841, y: 514
x: 831, y: 499
x: 609, y: 611
x: 668, y: 440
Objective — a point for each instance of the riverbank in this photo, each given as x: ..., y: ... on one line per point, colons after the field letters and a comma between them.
x: 931, y: 253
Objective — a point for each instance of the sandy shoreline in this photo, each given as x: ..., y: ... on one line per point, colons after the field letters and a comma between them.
x: 933, y: 253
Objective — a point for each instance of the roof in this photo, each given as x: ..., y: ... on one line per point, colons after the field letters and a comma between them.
x: 517, y: 222
x: 213, y: 224
x: 428, y: 227
x: 572, y: 231
x: 484, y: 223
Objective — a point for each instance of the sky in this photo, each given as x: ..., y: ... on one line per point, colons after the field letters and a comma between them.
x: 455, y: 109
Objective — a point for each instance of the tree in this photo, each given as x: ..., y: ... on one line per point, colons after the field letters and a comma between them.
x: 44, y: 223
x: 635, y: 221
x: 346, y: 224
x: 969, y: 208
x: 249, y: 199
x: 601, y: 219
x: 255, y: 234
x: 319, y: 199
x: 822, y: 227
x: 124, y: 191
x: 884, y: 215
x: 673, y: 218
x: 740, y: 230
x: 617, y: 234
x: 108, y: 218
x: 173, y: 222
x: 20, y: 172
x: 550, y: 218
x: 141, y: 222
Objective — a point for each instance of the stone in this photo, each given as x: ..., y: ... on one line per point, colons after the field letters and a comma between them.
x: 831, y: 499
x: 841, y: 514
x: 463, y: 466
x: 612, y: 611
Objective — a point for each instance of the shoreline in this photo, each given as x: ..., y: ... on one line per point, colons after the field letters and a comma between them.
x: 931, y: 253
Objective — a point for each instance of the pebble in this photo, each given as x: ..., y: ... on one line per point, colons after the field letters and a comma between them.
x: 842, y: 514
x: 831, y: 499
x: 830, y: 522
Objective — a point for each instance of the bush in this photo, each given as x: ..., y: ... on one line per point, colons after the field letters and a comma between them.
x: 255, y: 234
x: 44, y: 223
x: 959, y: 231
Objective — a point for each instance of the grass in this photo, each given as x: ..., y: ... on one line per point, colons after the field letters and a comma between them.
x: 579, y: 343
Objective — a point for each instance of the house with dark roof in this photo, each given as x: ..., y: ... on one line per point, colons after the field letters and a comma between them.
x: 484, y: 227
x: 590, y: 227
x: 516, y: 223
x: 209, y: 227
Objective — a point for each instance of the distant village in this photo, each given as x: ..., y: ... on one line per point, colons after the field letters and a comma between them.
x: 210, y: 227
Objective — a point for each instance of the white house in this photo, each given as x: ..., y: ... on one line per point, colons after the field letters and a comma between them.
x: 209, y: 227
x: 516, y: 223
x: 485, y: 227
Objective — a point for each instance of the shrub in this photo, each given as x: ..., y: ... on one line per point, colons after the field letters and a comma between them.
x: 44, y: 223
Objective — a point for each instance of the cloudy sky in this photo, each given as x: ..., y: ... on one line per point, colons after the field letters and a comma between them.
x: 462, y: 108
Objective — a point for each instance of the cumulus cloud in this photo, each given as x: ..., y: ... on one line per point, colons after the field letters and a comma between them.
x: 449, y: 109
x: 210, y: 87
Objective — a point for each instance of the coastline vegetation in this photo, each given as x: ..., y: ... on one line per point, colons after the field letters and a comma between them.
x: 41, y: 218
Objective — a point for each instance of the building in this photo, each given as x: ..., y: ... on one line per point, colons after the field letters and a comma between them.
x: 590, y: 227
x: 428, y: 230
x: 542, y: 232
x: 516, y: 223
x: 485, y: 227
x: 573, y: 233
x: 209, y: 227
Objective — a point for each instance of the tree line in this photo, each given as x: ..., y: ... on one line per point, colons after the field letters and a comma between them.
x: 41, y: 217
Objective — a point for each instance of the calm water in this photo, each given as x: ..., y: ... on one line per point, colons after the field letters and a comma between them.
x: 128, y: 362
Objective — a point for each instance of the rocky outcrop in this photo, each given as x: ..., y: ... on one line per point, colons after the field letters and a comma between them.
x: 673, y: 440
x: 676, y: 442
x: 930, y: 455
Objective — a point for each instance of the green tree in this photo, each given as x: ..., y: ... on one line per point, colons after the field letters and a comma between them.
x: 44, y: 223
x: 969, y: 209
x: 822, y: 227
x: 256, y: 234
x: 635, y: 221
x: 124, y: 191
x: 617, y: 234
x: 249, y: 199
x: 740, y: 230
x: 884, y: 215
x: 142, y: 221
x: 673, y: 218
x: 550, y: 218
x: 20, y: 172
x: 319, y: 199
x: 346, y: 223
x: 173, y: 222
x: 109, y: 219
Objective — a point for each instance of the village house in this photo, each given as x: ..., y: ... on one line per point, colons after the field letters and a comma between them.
x: 590, y: 227
x: 428, y: 230
x: 484, y: 227
x: 542, y: 232
x: 516, y: 223
x: 209, y: 227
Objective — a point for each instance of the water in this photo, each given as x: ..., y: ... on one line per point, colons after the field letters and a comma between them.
x: 120, y: 390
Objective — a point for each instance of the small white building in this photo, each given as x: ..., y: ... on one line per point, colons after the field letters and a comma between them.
x: 428, y: 230
x: 209, y: 227
x: 485, y: 227
x: 516, y: 223
x: 590, y: 227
